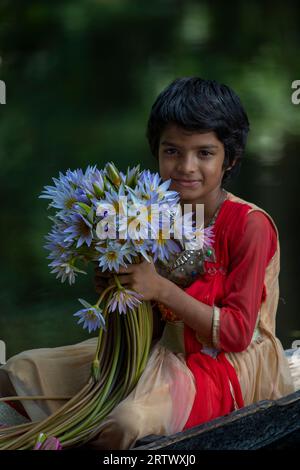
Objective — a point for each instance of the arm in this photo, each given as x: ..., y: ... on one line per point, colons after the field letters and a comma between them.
x: 194, y: 313
x: 144, y: 279
x: 236, y: 315
x: 230, y: 326
x: 233, y: 320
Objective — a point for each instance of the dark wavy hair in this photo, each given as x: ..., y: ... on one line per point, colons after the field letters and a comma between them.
x: 201, y: 105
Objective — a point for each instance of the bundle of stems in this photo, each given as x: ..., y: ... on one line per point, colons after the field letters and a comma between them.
x: 121, y: 356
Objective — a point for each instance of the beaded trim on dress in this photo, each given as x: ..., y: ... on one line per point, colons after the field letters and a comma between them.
x: 183, y: 268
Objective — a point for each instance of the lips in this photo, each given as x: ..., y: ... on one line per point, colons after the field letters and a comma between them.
x: 186, y: 183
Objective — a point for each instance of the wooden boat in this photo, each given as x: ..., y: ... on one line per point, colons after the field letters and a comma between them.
x: 264, y: 425
x: 268, y: 424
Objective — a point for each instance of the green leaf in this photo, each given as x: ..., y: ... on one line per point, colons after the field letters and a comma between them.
x: 85, y: 303
x: 78, y: 270
x: 98, y: 191
x: 90, y: 216
x: 113, y: 173
x: 84, y: 206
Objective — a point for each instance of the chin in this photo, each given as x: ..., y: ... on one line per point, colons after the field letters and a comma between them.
x: 189, y: 194
x: 187, y: 198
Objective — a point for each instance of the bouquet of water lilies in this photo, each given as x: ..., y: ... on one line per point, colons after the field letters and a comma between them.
x: 113, y: 219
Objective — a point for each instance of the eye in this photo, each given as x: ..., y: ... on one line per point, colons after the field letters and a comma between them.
x: 205, y: 154
x: 170, y: 151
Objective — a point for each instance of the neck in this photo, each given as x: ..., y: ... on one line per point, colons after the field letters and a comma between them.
x: 211, y: 203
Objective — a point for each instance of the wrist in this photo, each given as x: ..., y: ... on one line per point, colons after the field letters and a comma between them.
x: 163, y: 290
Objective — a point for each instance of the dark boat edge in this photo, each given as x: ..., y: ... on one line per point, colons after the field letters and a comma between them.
x: 268, y: 424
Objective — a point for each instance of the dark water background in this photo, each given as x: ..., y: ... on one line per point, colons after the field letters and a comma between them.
x: 81, y: 77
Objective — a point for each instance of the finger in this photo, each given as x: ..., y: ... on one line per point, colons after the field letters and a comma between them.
x: 125, y: 279
x: 124, y: 270
x: 100, y: 273
x: 101, y: 279
x: 99, y: 289
x: 101, y: 282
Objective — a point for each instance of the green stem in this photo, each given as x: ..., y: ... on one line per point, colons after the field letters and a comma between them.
x: 106, y: 389
x: 118, y: 284
x: 103, y: 294
x: 96, y: 361
x: 78, y: 420
x: 136, y: 335
x: 40, y: 426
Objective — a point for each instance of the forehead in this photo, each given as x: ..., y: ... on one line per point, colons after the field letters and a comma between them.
x: 176, y: 135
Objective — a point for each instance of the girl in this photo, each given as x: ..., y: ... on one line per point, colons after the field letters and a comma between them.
x: 218, y: 350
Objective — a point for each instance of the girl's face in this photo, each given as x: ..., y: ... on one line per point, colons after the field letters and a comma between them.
x: 193, y: 161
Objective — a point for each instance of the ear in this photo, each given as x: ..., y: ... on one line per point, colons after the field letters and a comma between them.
x: 232, y: 165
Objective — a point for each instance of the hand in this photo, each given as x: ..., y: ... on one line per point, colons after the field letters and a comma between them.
x: 142, y: 278
x: 102, y: 280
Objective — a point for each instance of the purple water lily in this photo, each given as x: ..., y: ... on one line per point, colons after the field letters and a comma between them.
x: 65, y: 194
x: 79, y: 229
x: 112, y: 256
x: 83, y: 227
x: 162, y: 247
x: 47, y: 443
x: 91, y: 316
x: 124, y: 299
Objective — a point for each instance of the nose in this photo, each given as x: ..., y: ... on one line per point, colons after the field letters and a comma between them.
x: 188, y: 163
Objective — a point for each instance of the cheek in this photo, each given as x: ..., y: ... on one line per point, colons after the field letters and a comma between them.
x: 213, y: 170
x: 165, y: 167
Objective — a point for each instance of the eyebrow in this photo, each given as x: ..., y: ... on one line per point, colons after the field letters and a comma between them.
x: 205, y: 146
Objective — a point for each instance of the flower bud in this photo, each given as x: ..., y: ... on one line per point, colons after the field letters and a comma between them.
x: 113, y: 174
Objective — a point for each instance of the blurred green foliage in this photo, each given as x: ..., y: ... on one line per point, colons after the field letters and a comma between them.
x: 81, y: 77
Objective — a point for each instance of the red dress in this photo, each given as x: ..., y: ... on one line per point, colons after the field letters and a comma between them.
x: 244, y: 244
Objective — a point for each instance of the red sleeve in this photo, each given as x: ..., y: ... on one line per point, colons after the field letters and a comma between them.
x: 244, y: 286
